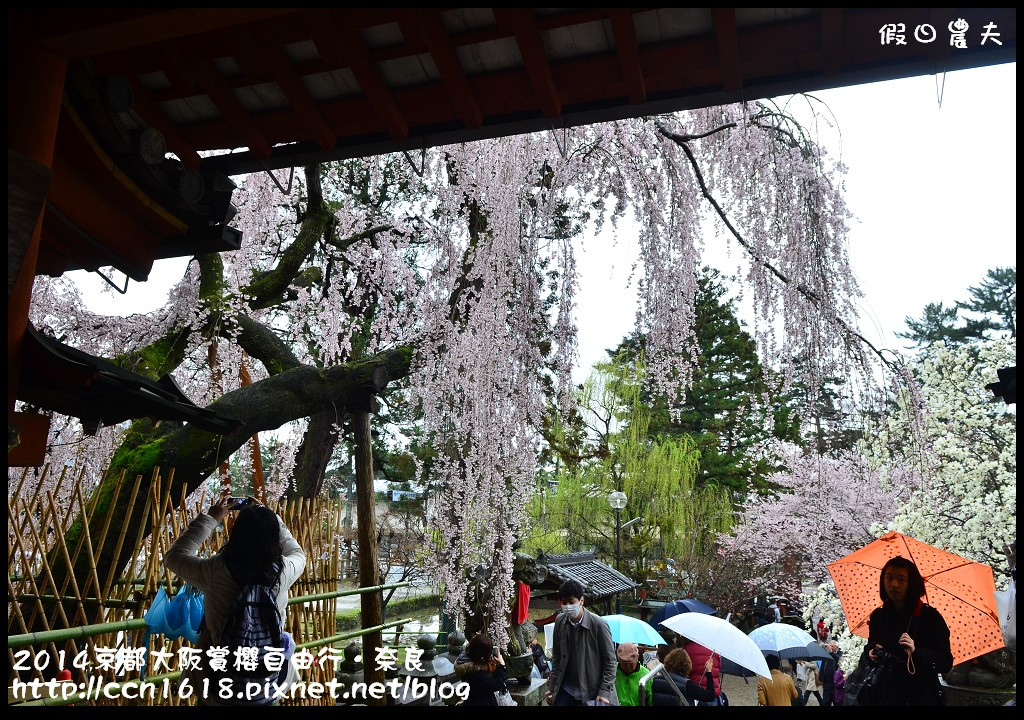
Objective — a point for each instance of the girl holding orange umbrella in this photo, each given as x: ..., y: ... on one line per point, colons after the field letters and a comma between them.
x: 909, y: 638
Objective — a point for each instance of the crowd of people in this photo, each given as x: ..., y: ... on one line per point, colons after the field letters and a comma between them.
x: 908, y: 638
x: 588, y: 668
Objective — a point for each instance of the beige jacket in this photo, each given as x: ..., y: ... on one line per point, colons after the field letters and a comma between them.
x: 211, y: 576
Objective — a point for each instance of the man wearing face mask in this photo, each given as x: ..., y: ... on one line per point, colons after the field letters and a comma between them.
x: 583, y: 654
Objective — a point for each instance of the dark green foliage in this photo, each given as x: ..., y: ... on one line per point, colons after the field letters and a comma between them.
x: 939, y: 324
x: 994, y: 300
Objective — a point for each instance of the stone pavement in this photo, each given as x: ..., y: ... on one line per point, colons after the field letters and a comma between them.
x: 740, y: 693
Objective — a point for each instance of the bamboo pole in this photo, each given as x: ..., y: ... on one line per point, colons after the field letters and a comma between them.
x: 58, y: 533
x: 45, y: 569
x: 101, y: 590
x: 124, y: 530
x: 18, y: 565
x: 21, y: 482
x: 114, y: 602
x: 74, y: 633
x: 86, y: 541
x: 60, y: 484
x: 75, y: 491
x: 159, y: 531
x: 34, y: 502
x: 16, y: 617
x: 80, y: 612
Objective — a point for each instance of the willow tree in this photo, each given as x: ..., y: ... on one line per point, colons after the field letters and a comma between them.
x: 458, y: 276
x: 678, y: 517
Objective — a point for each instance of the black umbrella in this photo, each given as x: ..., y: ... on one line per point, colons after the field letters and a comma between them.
x: 813, y: 651
x: 676, y: 607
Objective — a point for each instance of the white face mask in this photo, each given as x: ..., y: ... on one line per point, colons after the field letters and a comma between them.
x: 571, y: 610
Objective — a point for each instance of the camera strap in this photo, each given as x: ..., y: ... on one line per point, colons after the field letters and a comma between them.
x: 911, y: 669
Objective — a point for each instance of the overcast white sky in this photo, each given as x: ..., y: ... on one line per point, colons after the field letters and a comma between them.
x: 933, y: 189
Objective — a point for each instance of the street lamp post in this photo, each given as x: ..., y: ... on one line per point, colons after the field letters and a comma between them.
x: 618, y: 501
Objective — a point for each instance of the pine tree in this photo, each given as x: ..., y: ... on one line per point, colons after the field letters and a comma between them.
x: 732, y: 405
x: 996, y: 300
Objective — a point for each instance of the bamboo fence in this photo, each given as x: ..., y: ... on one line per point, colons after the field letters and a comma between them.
x: 37, y: 527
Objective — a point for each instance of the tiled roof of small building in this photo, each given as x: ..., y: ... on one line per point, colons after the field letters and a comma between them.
x: 598, y: 580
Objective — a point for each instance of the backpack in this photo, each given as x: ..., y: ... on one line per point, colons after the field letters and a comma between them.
x: 255, y: 622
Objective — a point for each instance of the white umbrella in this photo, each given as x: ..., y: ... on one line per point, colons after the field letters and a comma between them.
x: 782, y: 640
x: 722, y: 637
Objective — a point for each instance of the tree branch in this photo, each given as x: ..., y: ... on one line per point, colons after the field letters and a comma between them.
x: 681, y: 141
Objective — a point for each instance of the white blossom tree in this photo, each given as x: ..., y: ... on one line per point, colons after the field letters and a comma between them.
x: 963, y: 447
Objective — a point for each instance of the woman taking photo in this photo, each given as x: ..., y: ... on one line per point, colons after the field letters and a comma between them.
x: 484, y: 671
x: 259, y: 550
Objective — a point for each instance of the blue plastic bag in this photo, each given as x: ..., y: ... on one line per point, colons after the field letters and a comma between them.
x: 178, y: 616
x: 183, y: 614
x: 174, y: 617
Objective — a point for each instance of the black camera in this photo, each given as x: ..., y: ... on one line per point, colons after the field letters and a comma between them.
x: 886, y: 658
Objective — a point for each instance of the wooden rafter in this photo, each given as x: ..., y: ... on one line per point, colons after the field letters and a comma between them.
x: 220, y: 93
x: 728, y: 48
x: 341, y: 45
x: 303, y: 104
x: 831, y: 41
x: 426, y: 27
x: 629, y: 54
x: 527, y: 35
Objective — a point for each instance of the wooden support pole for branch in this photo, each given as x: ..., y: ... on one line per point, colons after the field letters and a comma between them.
x: 370, y: 603
x: 258, y: 489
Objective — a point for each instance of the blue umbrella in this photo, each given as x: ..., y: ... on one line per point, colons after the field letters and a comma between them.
x: 677, y: 607
x: 630, y: 629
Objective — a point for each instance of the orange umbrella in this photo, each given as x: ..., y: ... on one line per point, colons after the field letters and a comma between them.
x: 961, y: 589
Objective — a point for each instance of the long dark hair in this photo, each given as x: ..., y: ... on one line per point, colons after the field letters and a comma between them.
x: 253, y: 552
x: 915, y: 583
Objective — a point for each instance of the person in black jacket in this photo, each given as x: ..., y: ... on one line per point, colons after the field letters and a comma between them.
x: 828, y: 672
x: 909, y: 638
x: 540, y: 660
x: 678, y: 664
x: 483, y: 671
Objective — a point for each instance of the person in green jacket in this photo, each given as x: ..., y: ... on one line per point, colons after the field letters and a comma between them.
x: 628, y: 674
